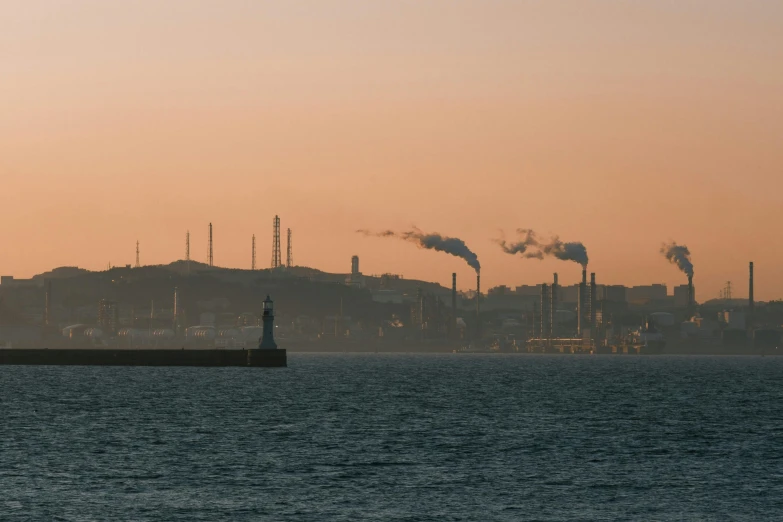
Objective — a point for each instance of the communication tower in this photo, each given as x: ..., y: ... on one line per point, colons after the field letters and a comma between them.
x: 289, y: 258
x: 253, y: 260
x: 210, y: 245
x: 276, y: 255
x: 137, y: 255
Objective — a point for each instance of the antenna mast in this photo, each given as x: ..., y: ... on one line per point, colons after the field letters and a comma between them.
x: 253, y: 261
x: 210, y: 245
x: 289, y: 258
x: 276, y: 256
x: 187, y: 250
x: 137, y: 255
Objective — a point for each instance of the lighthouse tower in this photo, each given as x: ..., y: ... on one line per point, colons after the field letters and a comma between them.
x: 267, y: 341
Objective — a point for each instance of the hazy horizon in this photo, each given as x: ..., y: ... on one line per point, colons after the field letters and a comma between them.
x: 620, y: 125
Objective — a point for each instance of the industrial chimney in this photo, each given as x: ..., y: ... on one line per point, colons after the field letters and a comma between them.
x: 581, y: 303
x: 751, y: 301
x: 454, y: 306
x: 690, y: 295
x: 478, y: 306
x: 545, y: 301
x: 592, y: 304
x: 579, y: 311
x: 553, y: 308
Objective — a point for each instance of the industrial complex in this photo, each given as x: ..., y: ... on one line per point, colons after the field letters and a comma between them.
x: 193, y: 305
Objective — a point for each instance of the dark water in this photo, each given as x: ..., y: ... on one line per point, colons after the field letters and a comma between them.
x: 397, y: 437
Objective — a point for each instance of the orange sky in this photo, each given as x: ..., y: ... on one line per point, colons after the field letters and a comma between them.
x: 618, y: 124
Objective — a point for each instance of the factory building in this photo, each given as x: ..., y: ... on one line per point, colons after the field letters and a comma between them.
x: 430, y: 317
x: 647, y: 293
x: 614, y: 293
x: 12, y: 282
x: 528, y: 290
x: 681, y: 295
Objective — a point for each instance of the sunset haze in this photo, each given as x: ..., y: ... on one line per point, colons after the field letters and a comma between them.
x: 622, y: 125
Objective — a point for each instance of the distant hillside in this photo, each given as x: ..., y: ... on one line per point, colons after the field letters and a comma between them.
x: 62, y: 272
x: 184, y: 268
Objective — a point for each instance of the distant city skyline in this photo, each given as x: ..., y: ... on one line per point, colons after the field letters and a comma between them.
x: 618, y: 125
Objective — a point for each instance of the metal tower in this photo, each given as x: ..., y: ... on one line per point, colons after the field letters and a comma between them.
x: 137, y: 255
x: 253, y: 260
x: 187, y: 246
x: 210, y: 245
x: 289, y: 257
x: 276, y: 255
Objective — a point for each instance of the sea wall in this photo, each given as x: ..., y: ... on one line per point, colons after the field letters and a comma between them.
x: 112, y: 357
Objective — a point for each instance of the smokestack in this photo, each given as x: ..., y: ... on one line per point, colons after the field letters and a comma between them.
x: 751, y: 302
x: 478, y: 306
x: 580, y: 296
x: 545, y: 301
x: 592, y: 305
x: 48, y: 303
x: 581, y: 304
x: 690, y: 294
x: 553, y: 308
x: 454, y: 306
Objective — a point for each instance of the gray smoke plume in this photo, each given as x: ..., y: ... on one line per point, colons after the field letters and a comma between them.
x: 528, y: 239
x: 572, y: 251
x: 450, y: 245
x: 679, y: 255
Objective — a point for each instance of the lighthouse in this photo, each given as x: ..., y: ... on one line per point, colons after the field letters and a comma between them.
x: 267, y: 341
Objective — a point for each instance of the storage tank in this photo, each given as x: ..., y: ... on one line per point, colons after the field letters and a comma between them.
x: 205, y: 333
x: 231, y: 333
x: 93, y: 333
x: 74, y: 330
x: 163, y: 333
x: 129, y: 332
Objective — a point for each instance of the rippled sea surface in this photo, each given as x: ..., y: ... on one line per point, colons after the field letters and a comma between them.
x: 397, y: 437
